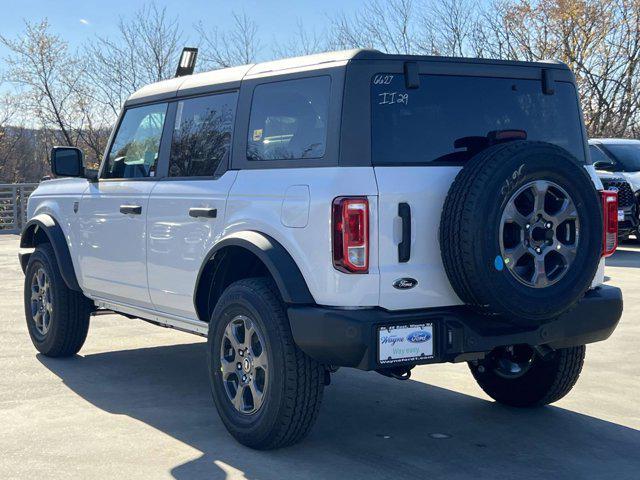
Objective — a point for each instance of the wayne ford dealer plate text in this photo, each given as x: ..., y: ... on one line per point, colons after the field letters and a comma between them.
x: 405, y: 343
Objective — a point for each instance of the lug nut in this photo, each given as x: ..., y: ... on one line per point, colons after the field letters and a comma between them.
x: 538, y: 250
x: 244, y: 378
x: 241, y: 353
x: 527, y: 226
x: 239, y: 366
x: 558, y: 247
x: 548, y: 225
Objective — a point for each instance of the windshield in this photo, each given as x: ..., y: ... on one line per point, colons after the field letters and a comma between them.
x: 448, y: 119
x: 627, y: 155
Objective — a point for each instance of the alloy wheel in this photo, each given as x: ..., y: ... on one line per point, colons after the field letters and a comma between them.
x: 244, y: 364
x: 41, y: 302
x: 539, y: 234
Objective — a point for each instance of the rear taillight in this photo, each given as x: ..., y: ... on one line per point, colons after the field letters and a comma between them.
x: 350, y: 217
x: 610, y: 217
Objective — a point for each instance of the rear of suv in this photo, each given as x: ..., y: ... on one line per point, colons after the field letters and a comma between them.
x: 348, y: 209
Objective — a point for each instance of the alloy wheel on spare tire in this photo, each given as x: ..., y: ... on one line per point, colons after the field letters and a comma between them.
x: 521, y: 231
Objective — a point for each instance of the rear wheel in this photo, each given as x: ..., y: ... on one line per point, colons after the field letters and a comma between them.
x: 57, y: 317
x: 519, y: 377
x: 266, y: 390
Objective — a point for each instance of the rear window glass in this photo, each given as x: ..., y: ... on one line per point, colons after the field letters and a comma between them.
x: 450, y: 118
x: 289, y: 119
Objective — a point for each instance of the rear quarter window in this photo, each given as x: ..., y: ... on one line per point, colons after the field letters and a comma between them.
x: 289, y: 119
x: 448, y: 118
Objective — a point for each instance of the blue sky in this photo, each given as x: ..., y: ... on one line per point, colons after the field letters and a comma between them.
x: 79, y: 20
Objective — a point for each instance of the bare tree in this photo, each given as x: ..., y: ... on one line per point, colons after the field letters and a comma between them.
x: 9, y: 137
x: 237, y: 46
x: 145, y: 50
x: 389, y: 26
x: 447, y: 27
x: 598, y: 39
x: 41, y: 65
x: 304, y: 41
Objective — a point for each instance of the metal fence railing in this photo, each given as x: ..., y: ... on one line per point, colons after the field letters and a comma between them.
x: 13, y: 205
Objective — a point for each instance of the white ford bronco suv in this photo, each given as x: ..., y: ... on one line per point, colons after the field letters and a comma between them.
x: 348, y: 209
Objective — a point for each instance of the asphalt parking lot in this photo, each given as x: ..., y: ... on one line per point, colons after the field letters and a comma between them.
x: 135, y: 404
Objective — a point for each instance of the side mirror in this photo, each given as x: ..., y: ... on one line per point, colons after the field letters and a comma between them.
x: 603, y: 165
x: 67, y: 162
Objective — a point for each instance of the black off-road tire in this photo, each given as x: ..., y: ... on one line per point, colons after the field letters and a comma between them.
x: 296, y: 382
x: 547, y: 381
x: 470, y: 226
x: 71, y: 309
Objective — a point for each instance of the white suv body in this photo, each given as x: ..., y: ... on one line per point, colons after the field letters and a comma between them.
x: 264, y: 161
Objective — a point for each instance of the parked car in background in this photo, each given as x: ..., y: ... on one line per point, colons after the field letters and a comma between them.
x: 617, y: 161
x: 628, y: 208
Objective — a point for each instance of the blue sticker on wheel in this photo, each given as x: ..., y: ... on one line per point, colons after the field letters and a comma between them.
x: 498, y: 263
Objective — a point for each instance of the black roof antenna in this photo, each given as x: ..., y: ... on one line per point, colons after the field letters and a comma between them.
x: 187, y: 63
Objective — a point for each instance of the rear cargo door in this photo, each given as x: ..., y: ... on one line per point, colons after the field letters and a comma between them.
x: 421, y: 138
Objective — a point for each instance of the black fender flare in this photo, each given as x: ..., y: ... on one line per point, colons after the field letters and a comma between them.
x: 50, y: 227
x: 282, y: 267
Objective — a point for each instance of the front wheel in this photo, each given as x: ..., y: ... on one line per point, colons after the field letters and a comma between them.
x: 266, y: 390
x: 57, y: 317
x: 520, y: 377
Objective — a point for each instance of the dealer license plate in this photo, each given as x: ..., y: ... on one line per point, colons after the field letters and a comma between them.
x: 621, y: 215
x: 405, y: 343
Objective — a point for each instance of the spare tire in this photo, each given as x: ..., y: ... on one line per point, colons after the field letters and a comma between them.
x: 521, y: 231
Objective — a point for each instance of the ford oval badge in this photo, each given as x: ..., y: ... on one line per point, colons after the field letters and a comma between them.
x: 419, y: 336
x: 405, y: 283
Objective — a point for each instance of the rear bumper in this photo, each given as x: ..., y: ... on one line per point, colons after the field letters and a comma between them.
x: 348, y: 338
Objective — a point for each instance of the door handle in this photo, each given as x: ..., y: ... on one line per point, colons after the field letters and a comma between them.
x: 404, y: 247
x: 131, y: 209
x: 198, y: 212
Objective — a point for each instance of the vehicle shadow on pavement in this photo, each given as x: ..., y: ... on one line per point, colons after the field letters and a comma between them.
x: 369, y: 427
x: 625, y: 257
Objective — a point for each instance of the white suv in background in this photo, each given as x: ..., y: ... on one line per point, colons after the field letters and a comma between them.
x: 349, y: 209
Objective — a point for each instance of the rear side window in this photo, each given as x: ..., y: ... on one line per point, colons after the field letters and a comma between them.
x: 289, y: 119
x: 202, y: 135
x: 134, y: 152
x: 448, y: 119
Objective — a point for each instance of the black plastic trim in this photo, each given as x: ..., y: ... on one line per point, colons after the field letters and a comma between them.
x: 289, y: 280
x: 548, y: 82
x: 343, y: 337
x: 404, y: 247
x: 197, y: 212
x: 56, y: 237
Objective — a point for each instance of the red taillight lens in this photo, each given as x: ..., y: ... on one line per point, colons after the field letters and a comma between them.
x: 351, y: 234
x: 610, y: 217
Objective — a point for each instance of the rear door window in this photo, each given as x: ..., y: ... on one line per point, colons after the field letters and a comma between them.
x: 448, y: 119
x: 202, y: 135
x: 289, y: 119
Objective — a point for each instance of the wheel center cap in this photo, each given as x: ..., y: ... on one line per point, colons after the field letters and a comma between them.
x: 246, y: 365
x: 540, y: 234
